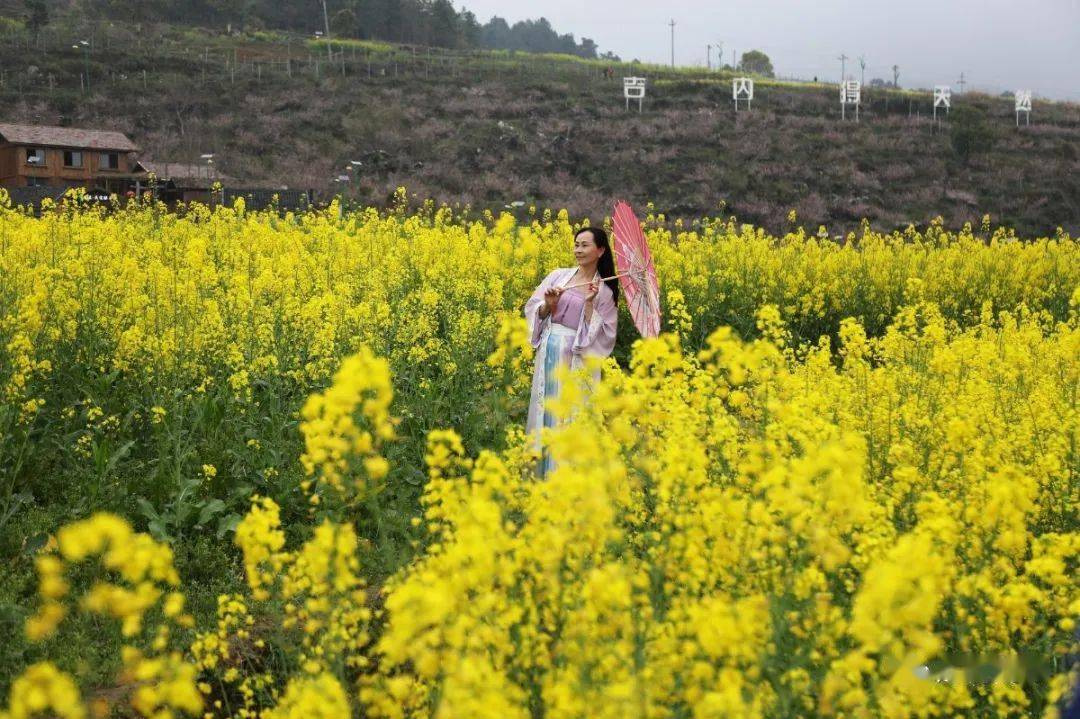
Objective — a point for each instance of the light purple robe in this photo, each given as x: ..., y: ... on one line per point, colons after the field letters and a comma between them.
x: 596, y: 338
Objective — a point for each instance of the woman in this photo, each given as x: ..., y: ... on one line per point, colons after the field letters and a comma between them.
x: 568, y: 324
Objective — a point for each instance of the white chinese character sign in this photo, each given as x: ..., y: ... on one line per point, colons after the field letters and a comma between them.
x: 633, y: 89
x: 850, y: 94
x: 1023, y: 104
x: 742, y: 88
x: 942, y: 98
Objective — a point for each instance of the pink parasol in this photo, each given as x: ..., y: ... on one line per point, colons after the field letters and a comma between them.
x: 636, y: 271
x: 638, y: 274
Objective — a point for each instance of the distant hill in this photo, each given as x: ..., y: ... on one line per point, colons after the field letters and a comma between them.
x: 426, y: 22
x: 492, y: 128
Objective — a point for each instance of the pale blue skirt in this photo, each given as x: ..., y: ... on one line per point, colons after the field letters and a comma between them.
x: 560, y: 342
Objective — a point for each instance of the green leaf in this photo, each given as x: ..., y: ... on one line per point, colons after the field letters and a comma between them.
x: 209, y: 510
x: 119, y: 454
x: 157, y: 528
x: 228, y: 523
x: 34, y: 543
x: 147, y: 509
x: 181, y: 512
x: 241, y: 491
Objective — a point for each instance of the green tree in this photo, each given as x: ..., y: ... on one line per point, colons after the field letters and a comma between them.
x: 445, y: 30
x: 587, y: 48
x: 970, y: 133
x: 496, y: 34
x: 756, y: 62
x: 470, y: 29
x: 343, y: 22
x: 37, y: 15
x: 533, y: 36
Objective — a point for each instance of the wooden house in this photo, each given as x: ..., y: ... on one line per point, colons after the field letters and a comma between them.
x: 62, y: 157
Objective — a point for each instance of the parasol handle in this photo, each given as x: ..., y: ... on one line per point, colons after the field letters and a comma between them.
x: 602, y: 279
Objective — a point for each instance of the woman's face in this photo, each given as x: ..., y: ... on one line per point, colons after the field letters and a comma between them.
x: 586, y: 252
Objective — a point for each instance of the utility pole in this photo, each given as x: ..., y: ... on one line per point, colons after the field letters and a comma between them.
x: 708, y: 57
x: 719, y: 55
x: 862, y: 68
x: 843, y: 68
x: 326, y: 26
x: 961, y: 82
x: 895, y: 76
x: 672, y: 24
x: 85, y: 47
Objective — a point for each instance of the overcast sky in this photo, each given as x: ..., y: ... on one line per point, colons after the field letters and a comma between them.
x: 997, y: 44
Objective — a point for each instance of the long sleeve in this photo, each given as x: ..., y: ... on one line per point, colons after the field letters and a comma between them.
x: 532, y: 309
x: 598, y: 336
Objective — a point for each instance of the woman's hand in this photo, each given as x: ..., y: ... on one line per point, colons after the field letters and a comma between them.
x: 594, y: 289
x: 590, y: 295
x: 551, y: 300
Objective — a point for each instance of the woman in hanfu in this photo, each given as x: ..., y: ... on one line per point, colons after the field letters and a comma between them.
x: 571, y: 314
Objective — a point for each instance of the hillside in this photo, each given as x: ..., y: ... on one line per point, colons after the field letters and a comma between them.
x: 494, y: 128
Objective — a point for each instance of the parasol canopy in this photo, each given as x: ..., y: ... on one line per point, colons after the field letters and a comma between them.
x: 636, y: 271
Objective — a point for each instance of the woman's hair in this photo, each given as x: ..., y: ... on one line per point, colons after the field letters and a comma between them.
x: 606, y: 264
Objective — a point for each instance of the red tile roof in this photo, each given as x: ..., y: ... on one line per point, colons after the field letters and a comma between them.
x: 66, y: 137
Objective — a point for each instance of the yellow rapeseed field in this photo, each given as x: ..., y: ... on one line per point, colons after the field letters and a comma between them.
x: 843, y: 483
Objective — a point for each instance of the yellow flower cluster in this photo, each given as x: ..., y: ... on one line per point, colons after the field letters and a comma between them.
x: 331, y: 436
x: 846, y: 516
x: 678, y: 316
x: 233, y: 653
x: 261, y: 540
x: 44, y: 688
x: 162, y: 684
x: 319, y: 585
x: 318, y: 697
x: 742, y: 533
x: 513, y: 353
x: 746, y: 530
x: 144, y: 565
x: 165, y: 685
x: 233, y: 297
x: 326, y: 598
